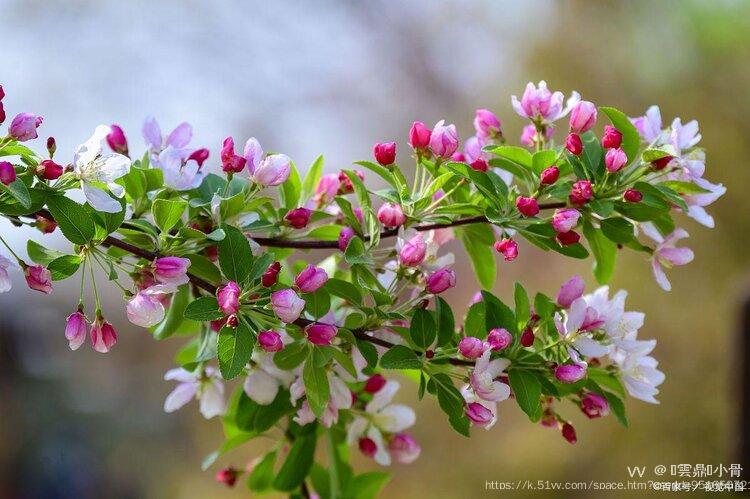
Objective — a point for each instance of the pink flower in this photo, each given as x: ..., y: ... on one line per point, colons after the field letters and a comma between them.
x: 287, y: 305
x: 565, y: 219
x: 570, y: 373
x: 24, y: 125
x: 549, y: 175
x: 274, y: 170
x: 697, y: 202
x: 391, y: 215
x: 470, y: 347
x: 38, y: 278
x: 529, y: 136
x: 538, y: 103
x: 649, y: 126
x: 49, y: 170
x: 479, y: 414
x: 385, y: 153
x: 419, y: 135
x: 403, y: 448
x: 480, y: 165
x: 508, y: 248
x: 570, y: 291
x: 499, y: 339
x: 205, y: 385
x: 666, y: 254
x: 271, y: 275
x: 228, y: 297
x: 75, y: 329
x: 253, y: 154
x: 327, y: 188
x: 171, y: 270
x: 569, y: 433
x: 444, y: 139
x: 270, y: 341
x: 375, y: 383
x: 615, y: 159
x: 473, y: 149
x: 582, y: 117
x: 486, y: 124
x: 320, y: 334
x: 7, y: 173
x: 440, y: 281
x: 311, y: 279
x: 574, y: 144
x: 527, y: 206
x: 298, y: 217
x: 227, y: 476
x: 117, y: 141
x: 230, y: 161
x: 612, y: 137
x: 145, y: 309
x: 413, y: 251
x: 594, y: 405
x: 103, y: 336
x: 346, y: 235
x: 483, y: 378
x: 581, y: 193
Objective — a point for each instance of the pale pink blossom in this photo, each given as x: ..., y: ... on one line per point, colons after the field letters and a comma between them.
x: 287, y: 305
x: 540, y: 104
x: 667, y: 254
x: 207, y: 387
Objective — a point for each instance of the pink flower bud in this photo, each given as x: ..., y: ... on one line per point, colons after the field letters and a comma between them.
x: 298, y: 217
x: 227, y: 476
x: 661, y: 163
x: 45, y: 225
x: 471, y: 347
x: 38, y: 278
x: 615, y: 159
x: 570, y: 373
x: 479, y: 414
x: 103, y: 336
x: 2, y: 113
x: 7, y: 173
x: 574, y: 144
x: 230, y: 161
x: 287, y: 305
x: 479, y: 165
x: 270, y: 341
x: 549, y: 175
x: 171, y: 270
x: 444, y: 140
x: 144, y: 309
x: 565, y: 219
x: 582, y: 117
x: 612, y: 137
x: 508, y: 248
x: 403, y: 448
x: 570, y: 291
x: 199, y: 156
x: 413, y: 251
x: 441, y: 280
x: 391, y: 215
x: 228, y: 297
x: 499, y: 339
x: 458, y: 156
x: 49, y: 170
x: 273, y: 170
x: 320, y: 334
x: 345, y: 183
x: 253, y: 154
x: 117, y: 141
x: 569, y: 433
x: 24, y: 125
x: 346, y: 235
x: 527, y: 337
x: 51, y: 146
x: 385, y: 153
x: 568, y: 238
x: 270, y: 276
x: 75, y: 329
x: 486, y: 124
x: 594, y: 405
x: 632, y: 196
x: 374, y: 383
x: 311, y: 279
x: 419, y: 135
x: 368, y: 447
x: 527, y: 206
x: 581, y: 193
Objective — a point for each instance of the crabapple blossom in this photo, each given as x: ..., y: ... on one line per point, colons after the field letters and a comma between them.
x: 574, y: 144
x: 570, y: 291
x: 117, y: 141
x: 612, y: 137
x: 76, y: 329
x: 145, y: 309
x: 91, y: 166
x: 479, y: 414
x: 581, y: 193
x: 103, y: 335
x: 499, y: 339
x: 270, y: 276
x: 508, y: 248
x: 594, y: 405
x: 38, y: 278
x: 441, y: 280
x: 273, y: 170
x: 568, y: 238
x: 570, y: 373
x: 7, y: 173
x: 443, y: 139
x: 49, y: 170
x: 228, y: 298
x: 582, y: 117
x: 24, y: 125
x: 171, y: 270
x: 385, y: 153
x: 253, y: 154
x: 403, y: 448
x: 391, y: 215
x: 486, y: 124
x: 649, y: 125
x: 470, y: 347
x: 346, y: 235
x: 311, y: 279
x: 615, y: 159
x: 667, y: 254
x: 287, y: 305
x: 565, y: 219
x: 549, y: 175
x: 205, y: 386
x: 320, y: 334
x: 264, y: 379
x: 419, y: 135
x: 298, y: 217
x: 540, y: 104
x: 527, y: 206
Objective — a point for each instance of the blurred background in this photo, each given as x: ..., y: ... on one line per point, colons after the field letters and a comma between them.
x: 334, y: 77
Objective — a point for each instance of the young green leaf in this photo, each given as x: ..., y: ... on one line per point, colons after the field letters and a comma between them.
x: 167, y: 213
x: 317, y: 388
x: 234, y: 349
x: 422, y: 329
x: 400, y: 357
x: 205, y: 308
x: 235, y: 255
x: 75, y: 222
x: 528, y: 390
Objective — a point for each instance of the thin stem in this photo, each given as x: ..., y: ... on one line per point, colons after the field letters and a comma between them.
x: 10, y: 249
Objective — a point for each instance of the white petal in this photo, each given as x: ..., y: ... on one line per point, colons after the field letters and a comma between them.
x: 113, y: 166
x: 383, y: 397
x: 589, y: 347
x: 395, y: 418
x: 261, y: 387
x: 100, y: 200
x: 212, y: 399
x: 356, y: 430
x: 89, y: 150
x: 382, y: 457
x: 180, y: 396
x: 180, y: 374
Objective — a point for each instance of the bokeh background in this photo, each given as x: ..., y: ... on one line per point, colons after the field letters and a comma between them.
x: 333, y: 78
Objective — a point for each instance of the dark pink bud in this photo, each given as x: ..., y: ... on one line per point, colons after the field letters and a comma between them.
x: 479, y: 414
x: 615, y: 159
x: 549, y: 175
x: 385, y: 153
x: 345, y: 183
x: 103, y: 336
x: 441, y: 280
x: 38, y: 278
x: 51, y: 146
x: 117, y: 141
x: 458, y: 156
x: 582, y: 117
x: 527, y: 206
x: 661, y: 163
x: 508, y: 248
x: 311, y: 279
x: 569, y: 433
x: 374, y: 383
x: 270, y: 341
x: 486, y: 124
x: 45, y: 225
x: 570, y: 373
x: 231, y: 162
x: 298, y: 217
x: 527, y: 337
x: 568, y: 238
x: 227, y: 476
x: 270, y: 276
x: 2, y: 93
x: 391, y: 215
x: 346, y: 235
x: 471, y: 347
x: 233, y: 321
x: 228, y: 297
x: 574, y: 144
x: 581, y: 193
x: 480, y: 165
x: 7, y: 173
x: 499, y: 339
x: 594, y: 405
x: 612, y: 137
x: 49, y: 170
x: 367, y: 447
x: 320, y: 334
x: 632, y: 196
x: 199, y: 156
x: 419, y: 135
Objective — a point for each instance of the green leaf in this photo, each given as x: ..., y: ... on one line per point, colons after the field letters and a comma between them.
x: 175, y: 314
x: 297, y: 464
x: 446, y: 323
x: 74, y: 221
x: 19, y: 191
x: 291, y: 189
x: 592, y: 155
x: 400, y: 357
x: 235, y: 255
x: 605, y: 253
x: 356, y: 253
x: 630, y: 139
x: 451, y: 402
x: 202, y: 267
x: 543, y: 159
x: 527, y: 389
x: 167, y: 213
x: 498, y: 314
x: 684, y: 187
x: 41, y: 255
x: 344, y: 289
x: 317, y: 389
x: 312, y: 177
x: 367, y: 485
x: 480, y: 253
x: 617, y: 407
x: 64, y: 266
x: 422, y: 329
x: 291, y: 356
x: 514, y: 153
x: 617, y: 229
x: 606, y: 380
x: 234, y: 349
x: 523, y: 307
x: 205, y: 308
x: 317, y: 303
x: 261, y: 477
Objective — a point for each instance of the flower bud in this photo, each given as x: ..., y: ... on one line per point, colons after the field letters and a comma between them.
x: 273, y: 170
x: 527, y: 337
x: 574, y: 144
x: 230, y: 161
x: 581, y: 193
x: 227, y: 476
x: 346, y: 235
x: 24, y: 125
x: 570, y: 373
x: 117, y: 141
x: 345, y: 183
x: 311, y: 279
x: 45, y: 225
x: 499, y: 339
x: 569, y: 433
x: 419, y: 135
x: 103, y: 336
x: 385, y: 153
x: 171, y: 270
x: 320, y: 334
x: 298, y: 217
x: 661, y: 163
x: 632, y: 196
x: 615, y: 159
x: 233, y: 321
x: 570, y: 291
x: 458, y: 157
x: 441, y: 280
x: 582, y: 117
x: 228, y: 297
x: 7, y: 173
x: 403, y: 448
x: 508, y: 248
x: 367, y: 447
x: 144, y: 309
x: 270, y: 276
x: 471, y: 347
x: 612, y: 137
x: 594, y: 405
x: 413, y: 251
x: 199, y: 156
x: 479, y: 414
x: 479, y: 165
x: 270, y: 341
x: 391, y: 215
x: 565, y: 219
x: 51, y: 146
x: 549, y: 175
x: 568, y: 238
x: 486, y: 124
x: 287, y: 305
x: 38, y: 278
x: 75, y: 329
x: 49, y: 170
x: 374, y: 383
x: 253, y: 154
x: 527, y: 206
x: 2, y: 113
x: 444, y: 140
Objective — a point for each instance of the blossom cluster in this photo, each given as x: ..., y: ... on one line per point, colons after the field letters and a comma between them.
x: 302, y: 350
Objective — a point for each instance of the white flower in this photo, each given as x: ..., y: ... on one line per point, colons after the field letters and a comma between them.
x: 640, y: 376
x: 5, y: 264
x: 263, y: 383
x: 482, y: 379
x: 208, y: 388
x: 340, y: 398
x: 179, y: 173
x: 92, y: 166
